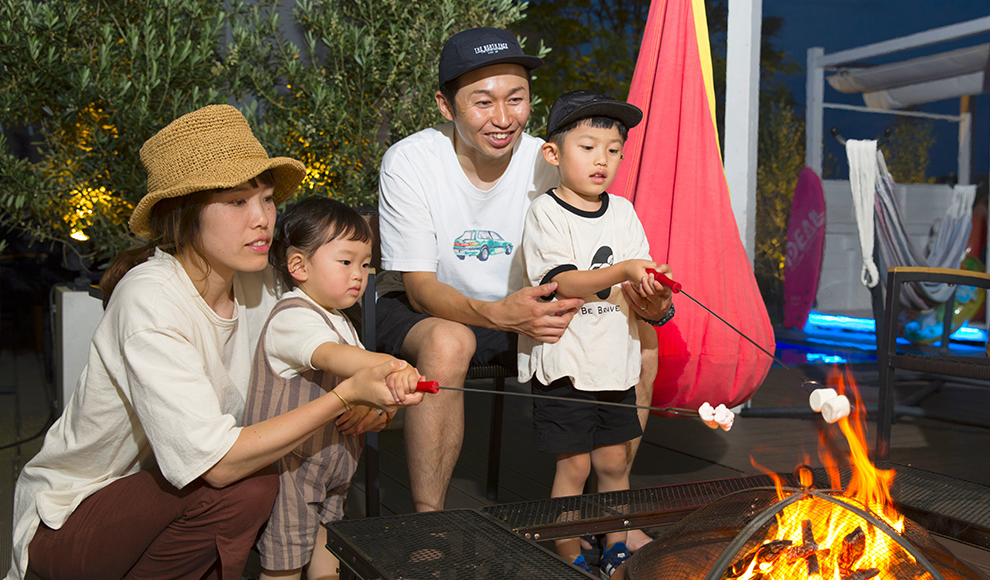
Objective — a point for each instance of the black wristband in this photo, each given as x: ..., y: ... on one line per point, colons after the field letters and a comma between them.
x: 666, y: 318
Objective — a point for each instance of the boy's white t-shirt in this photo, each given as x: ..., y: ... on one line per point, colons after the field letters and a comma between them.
x: 294, y: 334
x: 426, y: 203
x: 166, y: 382
x: 600, y: 350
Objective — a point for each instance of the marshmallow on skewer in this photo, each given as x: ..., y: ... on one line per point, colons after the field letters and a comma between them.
x: 819, y: 397
x: 707, y: 415
x: 835, y: 408
x: 724, y: 417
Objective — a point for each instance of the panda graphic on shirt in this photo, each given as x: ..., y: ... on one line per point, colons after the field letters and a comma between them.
x: 603, y: 258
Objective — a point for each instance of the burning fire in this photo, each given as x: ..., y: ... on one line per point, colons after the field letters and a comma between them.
x: 815, y: 538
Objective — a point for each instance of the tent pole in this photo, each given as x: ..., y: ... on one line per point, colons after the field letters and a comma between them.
x: 965, y: 139
x: 814, y: 96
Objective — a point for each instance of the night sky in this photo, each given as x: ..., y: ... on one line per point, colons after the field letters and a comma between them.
x: 841, y: 24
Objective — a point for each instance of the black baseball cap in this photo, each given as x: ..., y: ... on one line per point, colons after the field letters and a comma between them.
x: 575, y: 105
x: 478, y: 47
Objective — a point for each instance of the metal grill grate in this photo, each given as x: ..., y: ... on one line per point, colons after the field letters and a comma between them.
x: 617, y: 510
x: 456, y: 544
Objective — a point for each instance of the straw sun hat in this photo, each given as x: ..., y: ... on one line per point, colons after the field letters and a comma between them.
x: 212, y: 148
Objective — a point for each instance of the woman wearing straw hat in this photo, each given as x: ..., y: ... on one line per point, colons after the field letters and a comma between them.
x: 148, y: 473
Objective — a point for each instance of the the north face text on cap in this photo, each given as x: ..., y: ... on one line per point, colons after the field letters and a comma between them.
x: 491, y: 48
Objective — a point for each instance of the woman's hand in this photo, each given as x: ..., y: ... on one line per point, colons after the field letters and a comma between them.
x: 368, y: 387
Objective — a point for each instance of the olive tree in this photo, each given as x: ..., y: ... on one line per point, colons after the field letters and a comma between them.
x: 95, y: 78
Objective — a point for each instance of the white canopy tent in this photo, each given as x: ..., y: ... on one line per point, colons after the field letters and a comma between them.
x: 887, y: 88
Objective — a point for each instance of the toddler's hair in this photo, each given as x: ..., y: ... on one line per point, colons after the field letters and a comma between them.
x: 309, y: 224
x: 557, y: 137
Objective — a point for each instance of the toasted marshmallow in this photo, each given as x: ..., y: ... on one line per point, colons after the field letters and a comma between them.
x: 724, y: 417
x: 835, y: 409
x: 819, y: 397
x: 707, y: 415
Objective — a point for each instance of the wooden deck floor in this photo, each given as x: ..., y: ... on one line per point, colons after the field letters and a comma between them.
x: 674, y: 450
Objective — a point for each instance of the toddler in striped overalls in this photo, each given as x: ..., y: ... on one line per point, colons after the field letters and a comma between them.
x: 321, y: 253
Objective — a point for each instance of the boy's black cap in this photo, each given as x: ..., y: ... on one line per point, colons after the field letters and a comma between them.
x: 478, y: 47
x: 575, y: 105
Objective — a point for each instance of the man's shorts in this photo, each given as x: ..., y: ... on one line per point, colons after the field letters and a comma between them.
x: 394, y: 318
x: 565, y: 425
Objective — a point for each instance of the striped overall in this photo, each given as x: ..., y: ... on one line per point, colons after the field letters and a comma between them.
x: 315, y: 476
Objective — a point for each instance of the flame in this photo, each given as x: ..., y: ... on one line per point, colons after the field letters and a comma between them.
x: 830, y: 532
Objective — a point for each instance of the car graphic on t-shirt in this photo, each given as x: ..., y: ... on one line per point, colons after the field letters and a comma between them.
x: 480, y: 243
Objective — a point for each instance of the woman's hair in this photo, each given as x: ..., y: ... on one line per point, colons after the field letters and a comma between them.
x: 308, y: 225
x: 175, y: 225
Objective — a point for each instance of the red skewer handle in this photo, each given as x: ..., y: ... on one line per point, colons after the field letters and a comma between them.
x: 428, y: 387
x: 675, y: 287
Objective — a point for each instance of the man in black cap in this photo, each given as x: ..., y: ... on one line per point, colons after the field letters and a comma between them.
x: 452, y: 201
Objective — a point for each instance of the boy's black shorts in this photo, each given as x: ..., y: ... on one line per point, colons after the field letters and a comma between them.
x: 394, y: 318
x: 567, y: 426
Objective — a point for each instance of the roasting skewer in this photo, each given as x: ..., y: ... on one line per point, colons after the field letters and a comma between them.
x: 827, y: 401
x: 434, y: 387
x: 831, y: 405
x: 677, y: 288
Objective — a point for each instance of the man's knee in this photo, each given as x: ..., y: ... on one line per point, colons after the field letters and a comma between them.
x: 441, y: 343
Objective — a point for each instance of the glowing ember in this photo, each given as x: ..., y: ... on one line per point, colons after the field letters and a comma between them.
x: 815, y: 538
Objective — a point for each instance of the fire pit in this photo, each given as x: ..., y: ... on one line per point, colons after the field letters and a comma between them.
x: 810, y: 534
x: 797, y: 533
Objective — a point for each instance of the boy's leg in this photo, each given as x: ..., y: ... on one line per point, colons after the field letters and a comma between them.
x: 572, y: 471
x: 609, y: 463
x: 649, y: 349
x: 617, y: 429
x: 565, y: 426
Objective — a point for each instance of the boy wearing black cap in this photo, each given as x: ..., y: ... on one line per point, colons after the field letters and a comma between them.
x: 589, y: 243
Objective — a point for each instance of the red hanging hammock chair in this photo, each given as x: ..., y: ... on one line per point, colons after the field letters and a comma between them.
x: 673, y: 174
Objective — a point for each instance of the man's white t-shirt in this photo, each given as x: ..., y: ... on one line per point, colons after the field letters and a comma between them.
x: 600, y: 350
x: 166, y: 382
x: 433, y: 219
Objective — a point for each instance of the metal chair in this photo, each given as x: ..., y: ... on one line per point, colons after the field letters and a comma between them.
x: 937, y: 362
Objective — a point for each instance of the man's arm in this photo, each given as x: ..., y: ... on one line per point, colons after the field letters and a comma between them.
x: 523, y: 311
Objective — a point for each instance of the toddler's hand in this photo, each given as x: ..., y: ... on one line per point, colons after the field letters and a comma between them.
x: 403, y: 382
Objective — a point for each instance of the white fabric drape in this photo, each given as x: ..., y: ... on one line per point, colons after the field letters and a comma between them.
x: 879, y: 217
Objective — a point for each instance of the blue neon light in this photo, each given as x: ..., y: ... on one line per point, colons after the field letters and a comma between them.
x: 832, y: 325
x: 819, y: 357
